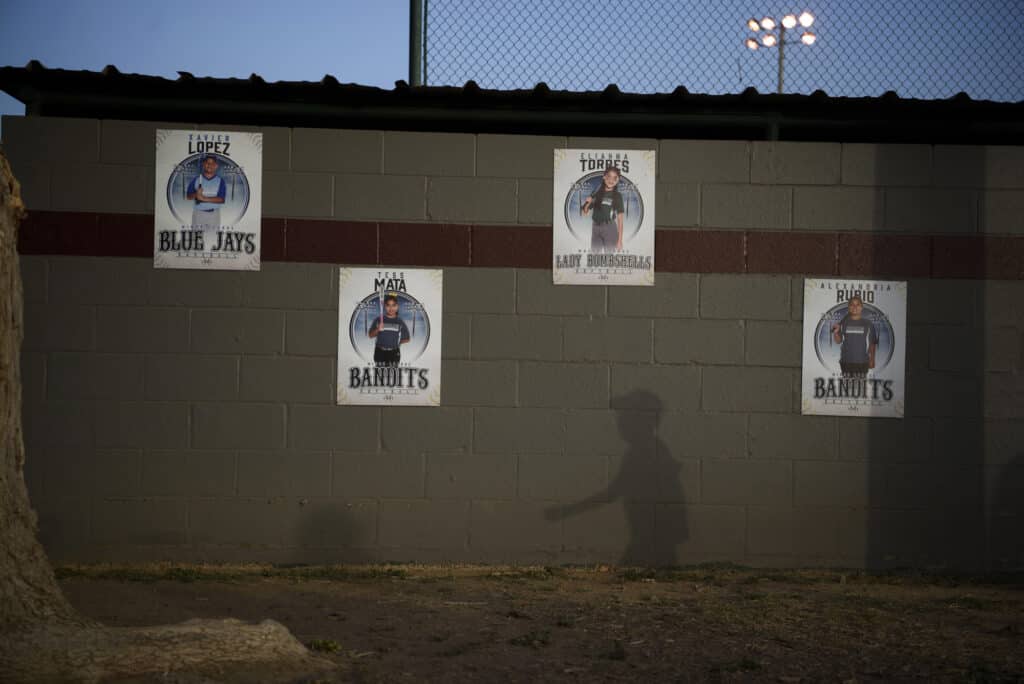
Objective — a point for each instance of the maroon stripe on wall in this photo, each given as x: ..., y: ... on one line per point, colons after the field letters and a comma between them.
x: 998, y: 258
x: 423, y: 244
x: 699, y: 251
x: 511, y: 246
x: 125, y: 234
x: 323, y: 241
x: 792, y: 253
x: 885, y: 255
x: 272, y: 241
x: 446, y: 244
x: 62, y: 232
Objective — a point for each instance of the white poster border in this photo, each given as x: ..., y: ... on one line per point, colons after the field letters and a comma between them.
x: 834, y: 381
x: 578, y: 173
x: 224, y: 232
x: 402, y: 366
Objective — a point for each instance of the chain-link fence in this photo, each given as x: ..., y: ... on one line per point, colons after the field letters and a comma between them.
x: 925, y: 48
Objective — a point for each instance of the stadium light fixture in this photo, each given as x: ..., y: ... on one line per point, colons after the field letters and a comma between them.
x: 765, y: 37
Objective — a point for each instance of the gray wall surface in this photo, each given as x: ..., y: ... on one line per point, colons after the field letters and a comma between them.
x: 189, y: 415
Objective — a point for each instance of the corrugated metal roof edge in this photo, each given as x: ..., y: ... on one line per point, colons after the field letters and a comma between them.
x: 110, y: 94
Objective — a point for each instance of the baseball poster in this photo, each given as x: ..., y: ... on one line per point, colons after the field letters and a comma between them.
x: 207, y: 207
x: 604, y: 217
x: 389, y: 336
x: 854, y: 334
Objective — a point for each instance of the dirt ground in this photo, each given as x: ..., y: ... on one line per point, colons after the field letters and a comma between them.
x: 533, y: 624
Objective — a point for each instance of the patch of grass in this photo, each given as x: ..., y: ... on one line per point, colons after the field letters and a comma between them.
x: 933, y: 578
x: 709, y: 574
x: 533, y: 639
x: 187, y: 574
x: 971, y: 603
x: 342, y: 573
x: 717, y: 574
x: 154, y: 572
x: 324, y: 645
x: 784, y: 577
x: 865, y: 601
x: 637, y: 574
x: 525, y: 574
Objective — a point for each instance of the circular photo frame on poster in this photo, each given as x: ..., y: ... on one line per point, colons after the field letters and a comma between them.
x: 412, y: 312
x: 236, y: 194
x: 581, y: 225
x: 828, y: 350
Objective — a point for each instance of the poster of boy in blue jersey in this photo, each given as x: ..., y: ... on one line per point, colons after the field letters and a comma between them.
x: 207, y: 209
x: 389, y: 332
x: 389, y: 336
x: 854, y: 347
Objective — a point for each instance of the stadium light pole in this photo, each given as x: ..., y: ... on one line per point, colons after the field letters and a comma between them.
x: 765, y: 36
x: 417, y: 42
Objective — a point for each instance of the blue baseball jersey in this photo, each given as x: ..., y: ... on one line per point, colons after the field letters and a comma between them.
x: 212, y: 187
x: 392, y: 333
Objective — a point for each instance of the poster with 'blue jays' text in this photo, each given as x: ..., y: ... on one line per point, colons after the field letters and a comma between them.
x: 855, y: 333
x: 389, y: 336
x: 207, y: 208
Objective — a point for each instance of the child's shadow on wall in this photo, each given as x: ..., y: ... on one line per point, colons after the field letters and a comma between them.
x: 648, y: 482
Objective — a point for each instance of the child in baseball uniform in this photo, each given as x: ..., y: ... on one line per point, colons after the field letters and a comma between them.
x: 607, y: 206
x: 390, y: 333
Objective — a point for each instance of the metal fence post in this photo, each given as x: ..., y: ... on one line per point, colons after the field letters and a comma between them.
x: 416, y: 42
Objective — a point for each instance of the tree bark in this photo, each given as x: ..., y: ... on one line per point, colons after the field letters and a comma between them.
x: 42, y: 637
x: 28, y: 590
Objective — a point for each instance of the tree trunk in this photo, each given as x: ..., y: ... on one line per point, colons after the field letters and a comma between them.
x: 28, y: 591
x: 42, y: 638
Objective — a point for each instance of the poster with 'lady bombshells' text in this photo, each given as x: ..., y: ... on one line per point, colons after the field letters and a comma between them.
x: 603, y: 223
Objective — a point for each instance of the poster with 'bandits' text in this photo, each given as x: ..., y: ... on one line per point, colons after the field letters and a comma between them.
x: 207, y: 208
x: 854, y: 340
x: 603, y: 217
x: 389, y: 336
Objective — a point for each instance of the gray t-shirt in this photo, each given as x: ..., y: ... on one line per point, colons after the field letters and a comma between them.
x: 857, y: 337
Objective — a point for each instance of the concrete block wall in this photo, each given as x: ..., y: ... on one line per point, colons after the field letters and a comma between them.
x: 189, y: 415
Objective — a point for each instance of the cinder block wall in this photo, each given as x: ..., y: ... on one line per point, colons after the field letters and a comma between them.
x: 189, y: 415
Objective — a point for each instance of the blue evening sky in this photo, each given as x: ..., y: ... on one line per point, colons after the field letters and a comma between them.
x: 919, y: 48
x: 292, y: 40
x: 930, y: 49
